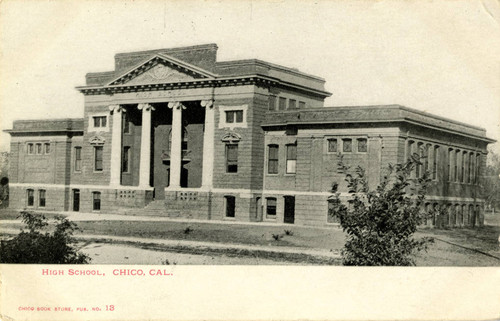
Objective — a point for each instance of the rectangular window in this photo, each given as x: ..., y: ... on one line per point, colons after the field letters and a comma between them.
x: 282, y: 103
x: 41, y: 198
x: 332, y: 145
x: 302, y: 105
x: 457, y: 167
x: 425, y: 159
x: 239, y: 116
x: 450, y: 165
x: 126, y: 123
x: 465, y: 165
x: 418, y: 168
x: 230, y: 205
x: 271, y: 207
x: 47, y: 148
x: 291, y: 158
x: 410, y: 151
x: 362, y: 145
x: 462, y: 171
x: 100, y: 121
x: 78, y: 159
x: 234, y: 116
x: 96, y: 201
x: 435, y: 162
x: 31, y: 197
x: 31, y: 149
x: 126, y: 159
x: 98, y: 158
x: 231, y: 158
x: 272, y: 165
x: 292, y: 104
x: 39, y: 149
x: 478, y: 167
x: 471, y: 168
x: 347, y: 145
x: 272, y: 102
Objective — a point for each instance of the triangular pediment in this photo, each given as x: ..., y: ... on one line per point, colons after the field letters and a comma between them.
x: 161, y: 69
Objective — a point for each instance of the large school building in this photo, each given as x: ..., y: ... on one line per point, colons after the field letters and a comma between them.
x: 176, y: 133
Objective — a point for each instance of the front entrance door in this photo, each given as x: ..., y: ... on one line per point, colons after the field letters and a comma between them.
x: 76, y: 200
x: 289, y: 209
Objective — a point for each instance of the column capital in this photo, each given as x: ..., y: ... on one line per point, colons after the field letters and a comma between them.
x: 145, y: 107
x: 176, y: 105
x: 207, y: 103
x: 116, y: 108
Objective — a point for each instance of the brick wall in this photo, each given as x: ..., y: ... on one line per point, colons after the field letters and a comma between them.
x: 92, y: 177
x: 241, y: 179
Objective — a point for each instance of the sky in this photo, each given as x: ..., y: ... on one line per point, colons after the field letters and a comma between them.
x: 441, y: 57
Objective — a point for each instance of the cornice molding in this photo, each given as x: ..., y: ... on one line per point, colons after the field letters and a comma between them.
x: 199, y: 83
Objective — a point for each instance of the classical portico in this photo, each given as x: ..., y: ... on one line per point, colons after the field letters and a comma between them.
x: 176, y: 156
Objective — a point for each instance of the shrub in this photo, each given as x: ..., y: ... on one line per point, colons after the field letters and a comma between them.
x: 289, y: 232
x: 188, y: 230
x: 40, y: 246
x: 380, y: 224
x: 277, y: 237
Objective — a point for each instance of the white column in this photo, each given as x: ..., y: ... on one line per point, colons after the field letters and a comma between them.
x: 145, y: 160
x: 176, y: 144
x: 208, y: 145
x: 116, y: 145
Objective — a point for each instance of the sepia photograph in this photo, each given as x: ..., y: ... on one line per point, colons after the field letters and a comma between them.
x: 145, y: 140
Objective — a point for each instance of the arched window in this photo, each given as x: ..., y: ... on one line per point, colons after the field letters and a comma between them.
x: 435, y: 208
x: 458, y: 215
x: 471, y: 215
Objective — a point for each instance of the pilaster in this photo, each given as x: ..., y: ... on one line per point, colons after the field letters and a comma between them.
x: 208, y: 145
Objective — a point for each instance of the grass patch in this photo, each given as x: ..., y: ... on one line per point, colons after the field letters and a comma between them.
x: 219, y: 233
x: 12, y: 214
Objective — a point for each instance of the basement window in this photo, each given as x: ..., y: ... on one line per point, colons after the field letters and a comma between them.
x: 271, y: 207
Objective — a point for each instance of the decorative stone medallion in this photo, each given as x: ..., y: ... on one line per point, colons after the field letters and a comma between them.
x: 97, y: 140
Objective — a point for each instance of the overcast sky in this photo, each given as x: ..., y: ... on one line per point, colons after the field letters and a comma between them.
x: 441, y: 57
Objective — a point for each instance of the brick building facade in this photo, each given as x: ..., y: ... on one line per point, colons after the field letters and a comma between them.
x: 174, y: 132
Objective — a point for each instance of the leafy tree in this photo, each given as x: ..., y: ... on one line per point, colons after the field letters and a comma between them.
x: 380, y: 224
x: 37, y: 245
